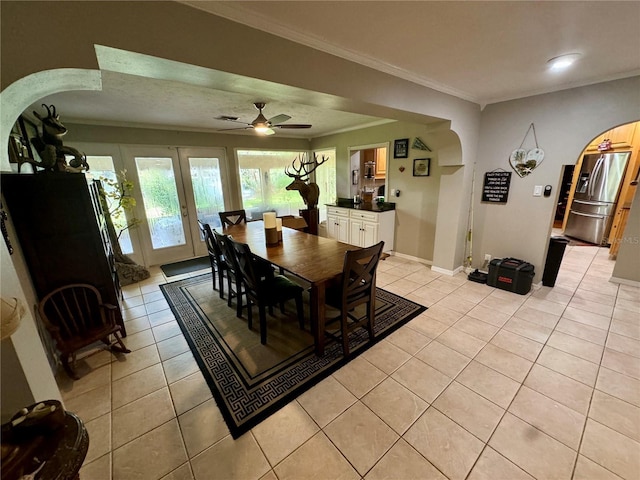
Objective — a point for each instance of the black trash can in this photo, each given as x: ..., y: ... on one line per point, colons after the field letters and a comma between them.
x: 554, y: 259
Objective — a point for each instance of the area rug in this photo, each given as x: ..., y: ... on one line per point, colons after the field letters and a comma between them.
x: 251, y: 381
x: 186, y: 266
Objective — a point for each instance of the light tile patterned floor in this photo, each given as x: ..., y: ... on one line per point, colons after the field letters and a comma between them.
x: 486, y: 384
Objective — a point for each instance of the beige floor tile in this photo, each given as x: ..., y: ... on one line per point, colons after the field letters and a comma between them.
x: 493, y: 466
x: 444, y: 443
x: 587, y: 317
x: 359, y: 376
x: 408, y: 340
x: 201, y: 427
x: 477, y: 328
x: 92, y: 404
x: 580, y: 330
x: 189, y: 392
x: 134, y: 362
x: 183, y: 472
x: 517, y: 344
x: 427, y: 295
x: 626, y: 315
x: 427, y: 326
x: 590, y: 306
x: 616, y: 414
x: 457, y: 279
x: 474, y: 292
x: 422, y: 379
x: 70, y: 388
x: 569, y: 365
x: 386, y: 356
x: 619, y: 385
x: 134, y: 312
x: 532, y: 450
x: 179, y: 367
x: 172, y: 346
x: 557, y: 295
x: 461, y: 342
x: 402, y: 287
x: 457, y: 303
x: 632, y: 306
x: 627, y: 345
x: 492, y: 385
x: 527, y: 329
x: 489, y: 315
x: 137, y: 385
x: 598, y: 297
x: 166, y: 331
x: 621, y: 363
x: 403, y: 462
x: 422, y: 276
x: 141, y: 416
x: 156, y: 306
x: 443, y: 358
x: 136, y: 341
x: 628, y: 292
x: 507, y: 363
x: 445, y: 287
x: 597, y: 285
x: 553, y: 418
x: 469, y: 410
x: 560, y: 388
x: 395, y: 405
x: 589, y: 470
x: 576, y: 346
x: 611, y: 449
x: 270, y: 475
x: 504, y: 305
x: 239, y: 459
x: 316, y: 459
x: 151, y: 455
x: 627, y: 329
x: 99, y: 469
x: 153, y: 296
x: 361, y: 437
x: 326, y: 400
x: 161, y: 317
x: 99, y: 430
x: 537, y: 317
x: 443, y: 314
x: 136, y: 325
x: 284, y: 431
x: 545, y: 306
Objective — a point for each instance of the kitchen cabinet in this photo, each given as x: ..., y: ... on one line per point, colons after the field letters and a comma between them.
x: 379, y: 156
x: 62, y: 232
x: 620, y: 137
x: 361, y: 227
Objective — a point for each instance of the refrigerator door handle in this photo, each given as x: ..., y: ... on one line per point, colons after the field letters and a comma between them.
x: 594, y: 175
x: 599, y: 204
x: 588, y: 215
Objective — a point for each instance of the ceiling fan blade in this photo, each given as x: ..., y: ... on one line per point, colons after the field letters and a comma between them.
x: 269, y: 132
x: 292, y: 125
x: 237, y: 128
x: 279, y: 119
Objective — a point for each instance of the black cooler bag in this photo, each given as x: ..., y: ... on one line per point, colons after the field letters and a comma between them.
x: 510, y: 274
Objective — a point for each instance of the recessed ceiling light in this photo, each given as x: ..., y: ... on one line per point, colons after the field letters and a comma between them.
x: 563, y: 61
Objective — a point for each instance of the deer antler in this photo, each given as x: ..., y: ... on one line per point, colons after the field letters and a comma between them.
x: 304, y: 165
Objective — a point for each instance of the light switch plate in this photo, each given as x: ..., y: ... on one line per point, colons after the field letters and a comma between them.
x: 537, y: 191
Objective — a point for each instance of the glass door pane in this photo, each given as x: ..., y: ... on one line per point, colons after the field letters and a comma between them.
x: 161, y: 202
x: 207, y: 189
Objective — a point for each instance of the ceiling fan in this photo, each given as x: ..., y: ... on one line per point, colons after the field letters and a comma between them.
x: 261, y: 124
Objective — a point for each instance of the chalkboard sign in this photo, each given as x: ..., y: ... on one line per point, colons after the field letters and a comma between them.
x: 496, y: 187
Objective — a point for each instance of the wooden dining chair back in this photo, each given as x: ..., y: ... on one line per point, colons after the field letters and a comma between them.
x: 218, y: 262
x: 233, y: 217
x: 234, y: 277
x: 76, y: 317
x: 265, y: 291
x: 356, y: 288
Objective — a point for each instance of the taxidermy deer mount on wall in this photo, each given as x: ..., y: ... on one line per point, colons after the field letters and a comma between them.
x: 49, y: 145
x: 302, y: 168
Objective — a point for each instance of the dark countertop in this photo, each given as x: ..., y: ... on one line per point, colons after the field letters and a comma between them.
x: 369, y: 207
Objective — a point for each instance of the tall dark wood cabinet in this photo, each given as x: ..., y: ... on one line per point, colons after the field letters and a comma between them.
x: 62, y: 230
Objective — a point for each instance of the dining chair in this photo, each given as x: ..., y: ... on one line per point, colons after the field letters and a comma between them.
x: 234, y: 277
x: 356, y: 287
x: 233, y: 217
x: 76, y: 317
x: 218, y: 262
x: 265, y: 291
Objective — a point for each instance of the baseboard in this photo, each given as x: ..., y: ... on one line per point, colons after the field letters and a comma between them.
x: 624, y: 281
x: 411, y: 257
x: 444, y: 271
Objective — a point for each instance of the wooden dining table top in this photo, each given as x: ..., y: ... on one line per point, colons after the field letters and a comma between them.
x: 310, y: 257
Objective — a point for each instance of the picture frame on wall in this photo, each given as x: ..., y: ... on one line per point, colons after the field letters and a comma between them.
x: 401, y: 148
x: 421, y: 167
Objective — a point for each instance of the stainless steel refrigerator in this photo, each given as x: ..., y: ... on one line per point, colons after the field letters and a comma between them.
x: 596, y: 193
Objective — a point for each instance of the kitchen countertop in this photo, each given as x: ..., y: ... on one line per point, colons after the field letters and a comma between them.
x: 369, y: 207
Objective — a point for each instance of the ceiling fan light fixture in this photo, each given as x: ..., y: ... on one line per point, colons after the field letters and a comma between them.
x: 563, y: 62
x: 261, y: 127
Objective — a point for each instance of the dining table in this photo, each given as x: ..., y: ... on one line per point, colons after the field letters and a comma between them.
x: 316, y: 260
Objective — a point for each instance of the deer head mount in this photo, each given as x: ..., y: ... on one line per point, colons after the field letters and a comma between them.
x: 302, y: 167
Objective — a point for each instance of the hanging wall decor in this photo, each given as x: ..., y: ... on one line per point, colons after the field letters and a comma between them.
x: 524, y: 161
x: 418, y: 144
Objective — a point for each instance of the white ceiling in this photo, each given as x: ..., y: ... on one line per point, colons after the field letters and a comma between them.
x: 480, y: 51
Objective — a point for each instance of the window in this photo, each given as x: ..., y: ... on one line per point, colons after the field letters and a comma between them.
x: 102, y: 167
x: 263, y: 183
x: 326, y: 180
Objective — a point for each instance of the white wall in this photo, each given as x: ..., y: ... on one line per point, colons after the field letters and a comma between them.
x: 565, y: 122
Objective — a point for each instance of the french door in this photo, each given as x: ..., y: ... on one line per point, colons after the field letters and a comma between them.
x: 174, y: 188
